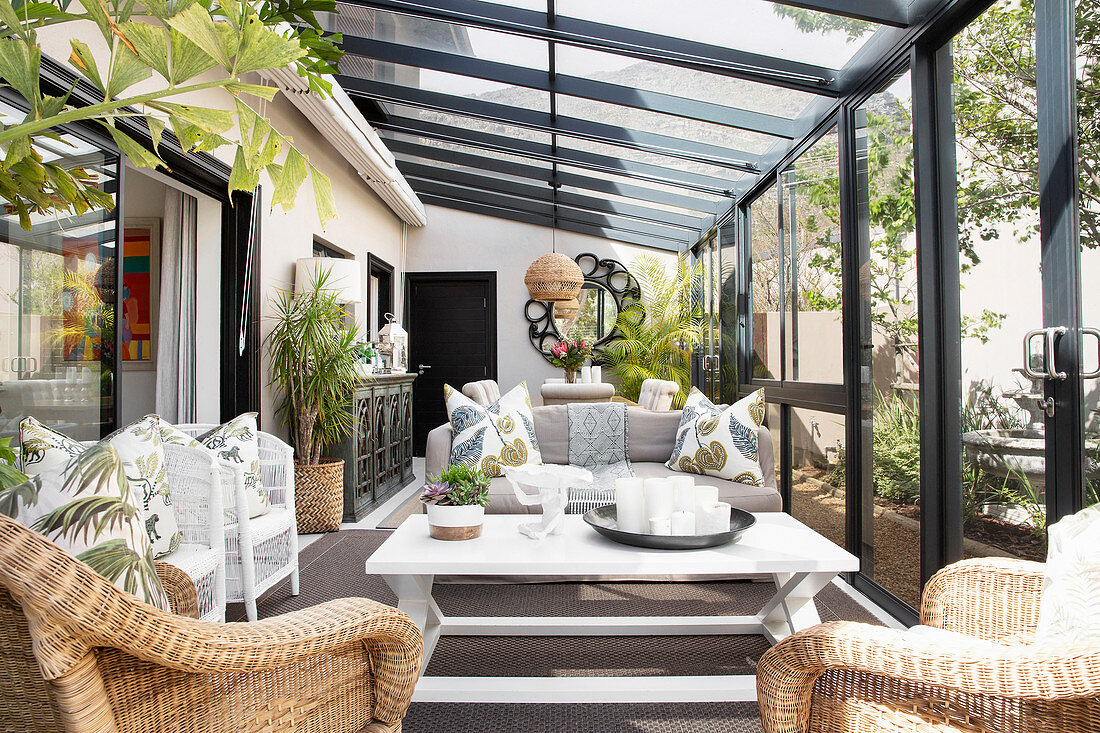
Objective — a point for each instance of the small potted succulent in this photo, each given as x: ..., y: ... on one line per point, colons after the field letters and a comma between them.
x: 455, y: 501
x: 570, y: 355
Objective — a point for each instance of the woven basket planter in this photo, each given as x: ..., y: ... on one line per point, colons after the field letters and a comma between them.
x: 319, y: 496
x: 554, y: 277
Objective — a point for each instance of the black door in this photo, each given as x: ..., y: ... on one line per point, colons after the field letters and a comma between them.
x: 451, y: 319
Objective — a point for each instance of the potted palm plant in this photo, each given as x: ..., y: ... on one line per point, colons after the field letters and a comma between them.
x: 314, y: 367
x: 455, y: 501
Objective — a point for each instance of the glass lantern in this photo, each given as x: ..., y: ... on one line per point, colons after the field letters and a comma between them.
x: 396, y: 339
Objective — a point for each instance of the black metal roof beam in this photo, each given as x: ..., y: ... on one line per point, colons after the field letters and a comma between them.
x: 624, y: 41
x: 467, y: 192
x: 574, y: 86
x: 523, y: 215
x: 543, y: 192
x: 883, y: 12
x: 429, y: 151
x: 543, y: 175
x: 535, y: 120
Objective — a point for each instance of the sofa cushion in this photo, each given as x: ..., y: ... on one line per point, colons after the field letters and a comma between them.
x: 721, y: 442
x: 1069, y: 610
x: 494, y: 436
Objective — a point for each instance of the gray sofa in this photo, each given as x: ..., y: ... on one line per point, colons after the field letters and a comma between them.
x: 651, y: 438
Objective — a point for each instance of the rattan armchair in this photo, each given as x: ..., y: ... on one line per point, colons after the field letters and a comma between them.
x: 80, y: 656
x: 855, y: 677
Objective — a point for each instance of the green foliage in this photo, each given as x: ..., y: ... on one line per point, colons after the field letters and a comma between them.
x: 659, y: 332
x: 314, y: 353
x: 122, y: 566
x: 468, y: 486
x: 175, y: 42
x: 15, y: 487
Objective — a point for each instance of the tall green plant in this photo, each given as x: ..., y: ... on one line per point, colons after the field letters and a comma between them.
x: 217, y: 42
x: 314, y: 353
x: 659, y: 333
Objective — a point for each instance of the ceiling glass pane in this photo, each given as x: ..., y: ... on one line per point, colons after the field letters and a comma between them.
x: 441, y: 81
x: 468, y: 150
x: 624, y: 181
x: 436, y: 35
x: 440, y: 165
x: 747, y: 25
x: 690, y: 83
x: 707, y: 208
x: 737, y: 142
x: 462, y: 122
x: 640, y: 156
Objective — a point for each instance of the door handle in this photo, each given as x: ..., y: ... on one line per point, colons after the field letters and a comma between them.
x: 1029, y: 372
x: 1048, y: 352
x: 1095, y: 333
x: 422, y: 367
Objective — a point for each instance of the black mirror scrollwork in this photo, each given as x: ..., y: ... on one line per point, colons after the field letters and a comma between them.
x: 608, y: 288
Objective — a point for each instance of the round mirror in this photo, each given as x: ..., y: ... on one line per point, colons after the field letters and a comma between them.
x: 591, y: 317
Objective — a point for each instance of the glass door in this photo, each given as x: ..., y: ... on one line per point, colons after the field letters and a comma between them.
x: 57, y: 309
x: 709, y: 353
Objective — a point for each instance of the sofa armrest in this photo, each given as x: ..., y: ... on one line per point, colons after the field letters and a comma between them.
x: 437, y: 452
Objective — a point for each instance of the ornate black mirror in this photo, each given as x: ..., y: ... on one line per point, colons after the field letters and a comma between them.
x: 608, y: 287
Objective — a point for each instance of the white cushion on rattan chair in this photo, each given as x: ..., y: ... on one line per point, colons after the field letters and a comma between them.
x: 953, y: 639
x: 1069, y: 611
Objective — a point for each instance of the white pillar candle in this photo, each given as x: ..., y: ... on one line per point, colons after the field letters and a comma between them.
x: 683, y: 524
x: 658, y: 498
x: 683, y: 493
x: 714, y: 519
x: 660, y: 525
x: 597, y: 374
x: 586, y: 374
x: 705, y: 496
x: 630, y: 505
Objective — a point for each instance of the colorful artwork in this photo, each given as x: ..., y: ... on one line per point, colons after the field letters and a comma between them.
x: 138, y: 291
x: 86, y: 300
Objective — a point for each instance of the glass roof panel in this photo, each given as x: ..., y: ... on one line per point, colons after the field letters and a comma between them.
x: 467, y: 149
x: 624, y: 181
x: 682, y: 82
x: 747, y: 25
x: 635, y: 202
x: 640, y: 156
x: 462, y: 122
x: 406, y: 158
x: 437, y: 35
x: 441, y: 81
x: 677, y: 127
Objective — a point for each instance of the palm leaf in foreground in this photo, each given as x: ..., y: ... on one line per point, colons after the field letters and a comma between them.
x: 124, y: 567
x: 15, y: 493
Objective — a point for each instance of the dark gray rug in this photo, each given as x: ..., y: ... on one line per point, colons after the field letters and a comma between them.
x: 332, y: 567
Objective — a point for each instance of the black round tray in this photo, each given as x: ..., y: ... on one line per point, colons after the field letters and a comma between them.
x: 604, y: 520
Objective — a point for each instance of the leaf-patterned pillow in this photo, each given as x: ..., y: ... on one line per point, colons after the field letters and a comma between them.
x: 1069, y: 608
x: 86, y: 505
x: 139, y: 445
x: 494, y: 436
x: 713, y: 441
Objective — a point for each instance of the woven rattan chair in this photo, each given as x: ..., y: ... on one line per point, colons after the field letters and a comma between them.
x: 855, y: 677
x: 80, y: 656
x: 196, y: 483
x: 261, y: 551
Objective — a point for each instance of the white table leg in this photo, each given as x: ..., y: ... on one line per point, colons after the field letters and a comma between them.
x: 414, y: 597
x: 792, y: 607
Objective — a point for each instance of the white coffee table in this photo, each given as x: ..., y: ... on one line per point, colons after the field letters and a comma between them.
x: 801, y: 562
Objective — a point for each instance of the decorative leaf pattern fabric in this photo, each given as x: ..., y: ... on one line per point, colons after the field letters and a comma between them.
x: 1069, y: 610
x: 236, y: 442
x: 721, y: 442
x: 85, y: 504
x: 140, y: 448
x: 494, y: 436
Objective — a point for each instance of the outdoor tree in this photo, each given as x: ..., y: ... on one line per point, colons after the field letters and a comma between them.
x: 157, y: 53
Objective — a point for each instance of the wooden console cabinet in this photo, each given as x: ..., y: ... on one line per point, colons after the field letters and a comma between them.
x: 378, y: 452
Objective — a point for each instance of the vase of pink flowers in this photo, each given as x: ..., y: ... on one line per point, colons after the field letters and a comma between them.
x: 570, y: 355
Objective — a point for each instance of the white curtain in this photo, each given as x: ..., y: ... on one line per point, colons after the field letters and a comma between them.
x: 176, y: 340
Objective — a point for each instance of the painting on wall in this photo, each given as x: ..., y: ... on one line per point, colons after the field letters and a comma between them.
x: 140, y: 292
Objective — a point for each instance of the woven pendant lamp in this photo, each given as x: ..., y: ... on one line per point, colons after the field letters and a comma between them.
x: 566, y: 309
x: 554, y: 278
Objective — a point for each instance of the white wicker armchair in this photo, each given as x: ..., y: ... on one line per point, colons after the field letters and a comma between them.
x: 260, y: 551
x: 197, y: 484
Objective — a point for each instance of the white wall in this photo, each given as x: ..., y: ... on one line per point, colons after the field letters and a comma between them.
x: 461, y: 241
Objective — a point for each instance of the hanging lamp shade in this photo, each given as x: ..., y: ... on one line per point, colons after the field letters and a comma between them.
x: 566, y: 309
x: 554, y: 278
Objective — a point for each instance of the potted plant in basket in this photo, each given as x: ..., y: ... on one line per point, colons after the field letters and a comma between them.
x: 455, y: 501
x: 570, y: 355
x: 314, y: 367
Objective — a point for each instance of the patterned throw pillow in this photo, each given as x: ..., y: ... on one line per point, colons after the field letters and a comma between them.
x: 713, y: 441
x: 236, y: 442
x: 86, y: 505
x: 139, y: 446
x: 494, y: 436
x: 1069, y: 609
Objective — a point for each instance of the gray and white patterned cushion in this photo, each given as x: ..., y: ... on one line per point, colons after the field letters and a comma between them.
x: 491, y: 437
x: 1069, y: 611
x: 139, y: 446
